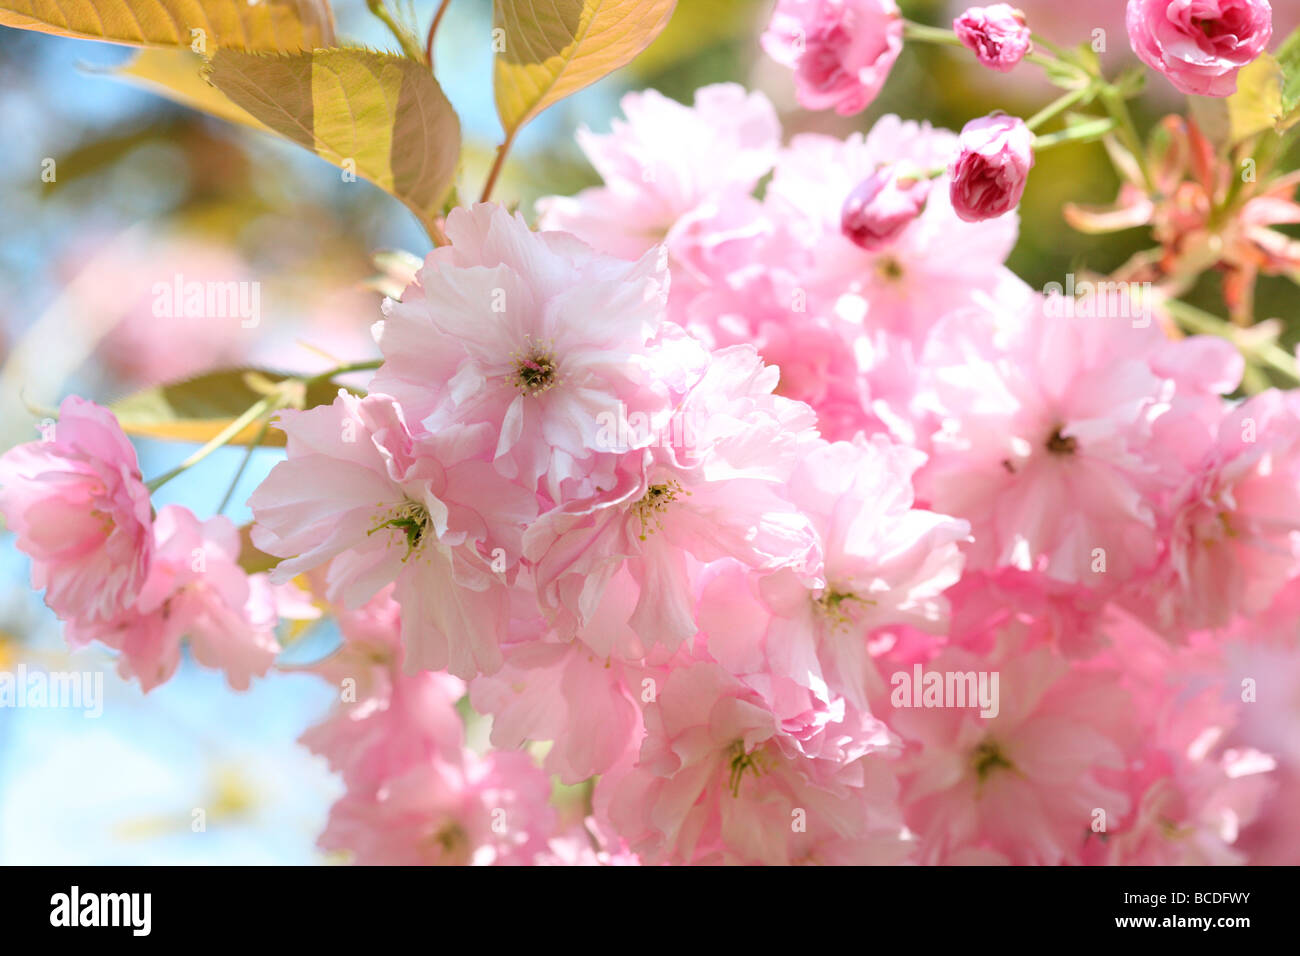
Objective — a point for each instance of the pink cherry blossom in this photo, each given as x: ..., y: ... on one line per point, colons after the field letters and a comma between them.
x: 1026, y: 783
x: 664, y: 163
x: 717, y: 781
x: 711, y: 490
x: 1235, y: 535
x: 841, y: 51
x: 196, y: 591
x: 990, y: 171
x: 531, y: 335
x: 468, y: 810
x: 1044, y: 421
x: 884, y: 563
x: 883, y: 205
x: 936, y: 264
x: 388, y: 721
x: 563, y: 692
x: 996, y: 33
x: 1200, y: 45
x: 359, y: 490
x: 76, y: 502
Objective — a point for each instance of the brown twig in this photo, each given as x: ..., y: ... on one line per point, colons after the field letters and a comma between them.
x: 433, y: 29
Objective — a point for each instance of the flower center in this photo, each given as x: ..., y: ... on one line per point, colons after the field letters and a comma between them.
x: 831, y: 603
x: 740, y: 762
x: 654, y: 503
x: 1059, y: 444
x: 453, y: 842
x: 535, y: 369
x: 889, y: 269
x: 412, y: 519
x: 1208, y: 25
x: 988, y: 757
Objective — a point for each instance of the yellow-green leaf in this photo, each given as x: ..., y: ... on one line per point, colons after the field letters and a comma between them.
x: 1257, y: 104
x: 1288, y: 59
x: 381, y: 116
x: 252, y: 558
x: 197, y: 409
x: 178, y: 75
x: 549, y: 49
x: 263, y: 25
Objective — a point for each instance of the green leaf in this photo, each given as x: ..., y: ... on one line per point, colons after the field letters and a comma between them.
x: 197, y: 409
x: 265, y: 25
x: 1257, y: 104
x: 380, y: 115
x: 1257, y: 107
x: 251, y: 558
x: 1288, y: 59
x: 549, y: 49
x: 178, y: 76
x: 1131, y: 82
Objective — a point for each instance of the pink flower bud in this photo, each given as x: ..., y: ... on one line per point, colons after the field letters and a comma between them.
x: 841, y: 51
x: 1200, y: 44
x: 997, y: 34
x: 883, y: 205
x: 989, y: 174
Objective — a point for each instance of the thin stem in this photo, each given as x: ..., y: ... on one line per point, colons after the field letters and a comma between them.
x: 433, y: 29
x: 243, y: 464
x: 1269, y: 354
x: 431, y: 226
x: 255, y: 411
x: 1047, y: 44
x: 1052, y: 64
x: 927, y: 34
x: 1118, y: 109
x: 1083, y: 133
x: 497, y: 163
x: 1060, y: 105
x: 367, y: 366
x: 262, y: 406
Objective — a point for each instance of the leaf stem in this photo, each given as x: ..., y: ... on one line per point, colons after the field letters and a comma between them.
x: 1118, y: 109
x: 1269, y: 354
x: 1058, y: 105
x: 1054, y: 49
x: 497, y: 163
x: 367, y: 366
x: 254, y: 412
x: 928, y: 34
x: 1082, y: 133
x: 263, y: 406
x: 243, y: 464
x: 433, y: 29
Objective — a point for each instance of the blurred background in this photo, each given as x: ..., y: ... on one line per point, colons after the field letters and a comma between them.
x: 146, y: 190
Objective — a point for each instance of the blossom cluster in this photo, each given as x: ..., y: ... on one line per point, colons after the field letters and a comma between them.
x: 759, y: 501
